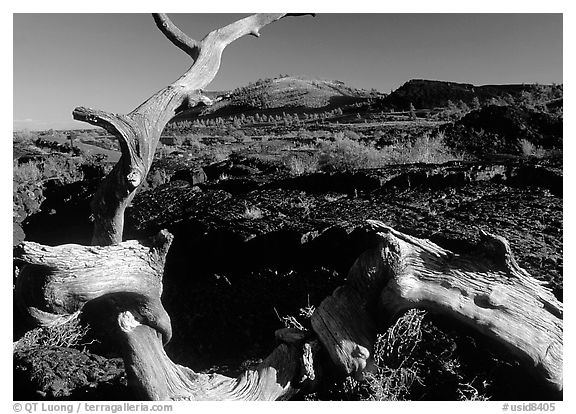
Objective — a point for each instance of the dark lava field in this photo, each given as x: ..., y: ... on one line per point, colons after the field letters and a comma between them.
x: 258, y: 241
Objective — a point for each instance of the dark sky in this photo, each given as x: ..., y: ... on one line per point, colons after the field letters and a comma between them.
x: 115, y: 61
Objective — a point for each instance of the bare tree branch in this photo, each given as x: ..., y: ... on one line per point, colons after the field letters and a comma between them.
x: 176, y: 36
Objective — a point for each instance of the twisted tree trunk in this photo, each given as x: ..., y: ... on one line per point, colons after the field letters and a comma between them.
x: 58, y: 281
x: 156, y: 377
x: 486, y: 290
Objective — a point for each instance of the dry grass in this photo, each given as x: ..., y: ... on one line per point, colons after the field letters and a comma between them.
x: 344, y: 153
x: 302, y: 321
x: 393, y: 355
x: 252, y: 212
x: 24, y: 137
x: 299, y: 165
x: 530, y: 150
x: 29, y: 172
x: 428, y: 149
x: 397, y: 366
x: 64, y: 169
x: 468, y: 392
x: 67, y: 334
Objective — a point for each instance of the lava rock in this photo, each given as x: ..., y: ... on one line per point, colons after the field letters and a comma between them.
x: 67, y: 373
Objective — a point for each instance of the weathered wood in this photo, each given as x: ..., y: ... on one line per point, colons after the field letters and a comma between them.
x: 156, y: 377
x: 57, y: 281
x: 347, y: 331
x: 486, y: 289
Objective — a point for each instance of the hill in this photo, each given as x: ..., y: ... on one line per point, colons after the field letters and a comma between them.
x: 287, y: 93
x: 432, y: 94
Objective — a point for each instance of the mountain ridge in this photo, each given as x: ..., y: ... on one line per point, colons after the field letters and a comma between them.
x: 296, y: 94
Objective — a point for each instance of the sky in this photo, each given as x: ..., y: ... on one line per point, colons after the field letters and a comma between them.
x: 114, y: 62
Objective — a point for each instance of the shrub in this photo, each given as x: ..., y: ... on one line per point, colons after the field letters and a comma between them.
x: 194, y: 144
x: 24, y: 137
x: 237, y: 134
x: 28, y: 172
x: 251, y: 212
x: 219, y: 153
x: 468, y: 392
x: 304, y: 204
x: 530, y: 150
x: 68, y: 334
x: 351, y: 135
x: 427, y: 149
x: 66, y: 170
x: 396, y: 369
x: 302, y: 164
x: 156, y: 178
x: 345, y: 154
x: 305, y: 135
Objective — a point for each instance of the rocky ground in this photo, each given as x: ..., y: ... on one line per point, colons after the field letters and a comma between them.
x: 268, y: 210
x: 258, y: 245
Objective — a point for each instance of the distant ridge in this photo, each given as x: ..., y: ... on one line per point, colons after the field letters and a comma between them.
x: 293, y: 94
x: 432, y: 93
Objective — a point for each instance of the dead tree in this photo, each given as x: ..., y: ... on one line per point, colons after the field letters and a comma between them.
x: 139, y: 131
x: 487, y: 289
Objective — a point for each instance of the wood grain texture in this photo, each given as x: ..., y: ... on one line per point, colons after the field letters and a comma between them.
x: 485, y: 289
x: 58, y: 281
x: 156, y: 377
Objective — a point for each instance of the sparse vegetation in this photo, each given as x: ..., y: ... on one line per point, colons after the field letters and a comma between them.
x: 305, y: 205
x: 251, y: 212
x: 24, y: 137
x: 302, y: 164
x: 428, y: 149
x: 530, y: 150
x: 69, y: 333
x: 157, y: 177
x: 29, y: 172
x: 347, y: 154
x: 397, y: 370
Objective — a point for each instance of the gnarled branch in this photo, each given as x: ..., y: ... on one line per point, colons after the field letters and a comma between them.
x: 176, y: 36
